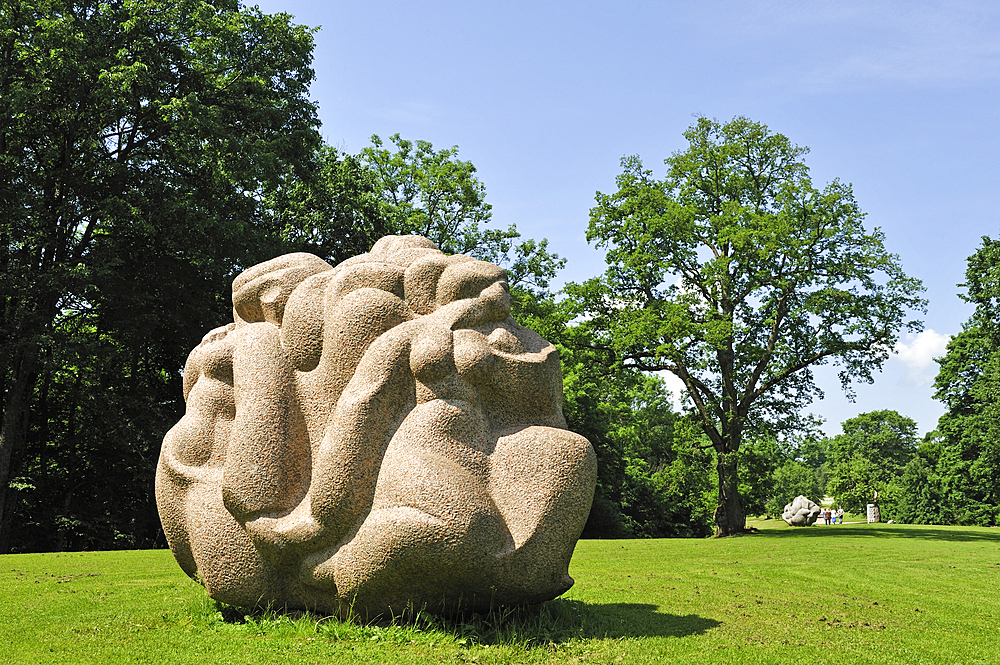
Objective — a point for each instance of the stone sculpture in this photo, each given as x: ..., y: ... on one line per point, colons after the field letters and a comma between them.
x: 801, y: 512
x: 372, y: 437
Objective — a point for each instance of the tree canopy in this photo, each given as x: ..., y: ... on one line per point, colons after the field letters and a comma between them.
x: 868, y: 457
x: 434, y: 194
x: 140, y: 139
x: 955, y: 476
x: 737, y: 275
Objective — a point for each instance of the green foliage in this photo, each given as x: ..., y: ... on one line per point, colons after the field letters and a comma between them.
x: 667, y: 488
x: 737, y: 275
x: 812, y: 450
x: 869, y: 457
x: 652, y: 480
x: 758, y: 460
x: 430, y: 193
x: 772, y: 472
x: 955, y: 478
x: 143, y: 138
x: 855, y: 482
x: 883, y: 436
x: 434, y: 194
x: 90, y: 457
x: 938, y: 486
x: 333, y: 210
x: 790, y: 480
x: 924, y: 495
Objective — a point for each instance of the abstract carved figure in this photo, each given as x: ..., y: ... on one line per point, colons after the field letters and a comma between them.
x: 801, y: 512
x: 374, y: 436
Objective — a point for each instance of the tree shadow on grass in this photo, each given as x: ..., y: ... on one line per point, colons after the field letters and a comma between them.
x: 946, y: 533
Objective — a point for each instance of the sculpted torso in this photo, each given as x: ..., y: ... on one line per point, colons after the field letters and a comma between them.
x: 374, y: 435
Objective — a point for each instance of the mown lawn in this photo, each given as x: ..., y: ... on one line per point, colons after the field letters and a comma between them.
x: 839, y: 594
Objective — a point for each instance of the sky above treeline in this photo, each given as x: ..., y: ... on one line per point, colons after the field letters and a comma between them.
x: 898, y: 98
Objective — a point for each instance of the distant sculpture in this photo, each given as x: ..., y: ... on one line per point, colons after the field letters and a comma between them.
x: 874, y: 514
x: 374, y: 436
x: 801, y: 512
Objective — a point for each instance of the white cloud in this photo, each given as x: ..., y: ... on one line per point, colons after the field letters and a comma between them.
x: 918, y: 352
x: 676, y: 388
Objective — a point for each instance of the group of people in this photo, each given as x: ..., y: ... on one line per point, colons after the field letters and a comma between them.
x: 830, y: 514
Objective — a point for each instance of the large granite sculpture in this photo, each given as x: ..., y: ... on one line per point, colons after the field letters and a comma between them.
x: 801, y: 512
x: 374, y: 436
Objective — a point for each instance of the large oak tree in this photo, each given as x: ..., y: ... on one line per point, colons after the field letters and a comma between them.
x: 737, y: 275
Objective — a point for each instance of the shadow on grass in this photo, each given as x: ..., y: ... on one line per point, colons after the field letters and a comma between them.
x: 552, y: 622
x: 616, y: 620
x: 946, y: 533
x: 563, y: 619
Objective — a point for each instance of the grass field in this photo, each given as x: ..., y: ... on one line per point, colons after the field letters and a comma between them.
x: 839, y: 594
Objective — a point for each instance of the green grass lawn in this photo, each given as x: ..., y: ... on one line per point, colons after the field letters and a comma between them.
x: 840, y: 594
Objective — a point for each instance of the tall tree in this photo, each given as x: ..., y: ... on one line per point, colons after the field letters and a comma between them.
x: 868, y: 457
x: 738, y: 276
x: 138, y: 140
x: 955, y: 479
x: 431, y: 193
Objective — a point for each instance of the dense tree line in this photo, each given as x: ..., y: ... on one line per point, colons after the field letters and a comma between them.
x: 138, y: 141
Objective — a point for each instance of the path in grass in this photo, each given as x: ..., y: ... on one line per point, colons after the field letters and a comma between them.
x: 845, y: 594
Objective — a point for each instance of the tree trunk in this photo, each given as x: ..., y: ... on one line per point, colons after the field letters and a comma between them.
x: 14, y: 431
x: 730, y: 518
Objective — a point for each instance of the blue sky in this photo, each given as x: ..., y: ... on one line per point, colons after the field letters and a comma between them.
x: 899, y: 98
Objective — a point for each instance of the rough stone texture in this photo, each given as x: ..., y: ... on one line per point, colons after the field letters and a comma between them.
x: 374, y: 436
x: 801, y: 512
